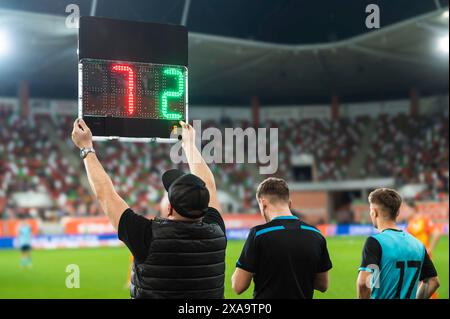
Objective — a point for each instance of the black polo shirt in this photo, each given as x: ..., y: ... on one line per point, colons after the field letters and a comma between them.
x: 284, y: 256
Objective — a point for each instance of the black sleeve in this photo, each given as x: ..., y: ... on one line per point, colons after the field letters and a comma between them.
x: 428, y: 269
x: 214, y: 217
x: 325, y: 261
x: 371, y: 254
x: 136, y: 232
x: 247, y: 260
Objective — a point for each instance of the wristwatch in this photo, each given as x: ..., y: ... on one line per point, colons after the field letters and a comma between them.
x: 85, y: 151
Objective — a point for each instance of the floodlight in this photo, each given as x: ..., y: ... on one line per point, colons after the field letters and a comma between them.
x: 443, y: 44
x: 4, y: 43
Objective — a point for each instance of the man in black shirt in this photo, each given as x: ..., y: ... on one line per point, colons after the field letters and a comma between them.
x: 181, y: 256
x: 285, y: 257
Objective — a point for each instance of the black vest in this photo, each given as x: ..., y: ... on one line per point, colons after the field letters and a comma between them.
x: 186, y: 261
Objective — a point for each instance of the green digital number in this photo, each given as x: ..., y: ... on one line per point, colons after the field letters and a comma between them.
x: 167, y: 94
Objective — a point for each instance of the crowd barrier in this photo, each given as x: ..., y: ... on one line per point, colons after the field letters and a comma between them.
x: 236, y: 230
x: 65, y: 241
x: 436, y: 211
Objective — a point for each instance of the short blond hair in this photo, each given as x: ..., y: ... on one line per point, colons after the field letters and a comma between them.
x: 388, y: 199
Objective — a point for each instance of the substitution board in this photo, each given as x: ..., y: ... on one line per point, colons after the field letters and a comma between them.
x: 133, y: 79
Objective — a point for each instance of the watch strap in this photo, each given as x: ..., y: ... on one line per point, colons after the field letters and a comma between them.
x: 85, y: 151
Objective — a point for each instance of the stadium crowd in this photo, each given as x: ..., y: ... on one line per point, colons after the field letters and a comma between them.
x: 332, y: 143
x: 31, y: 162
x: 414, y: 150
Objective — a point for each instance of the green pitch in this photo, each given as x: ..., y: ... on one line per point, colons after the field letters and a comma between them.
x: 103, y: 271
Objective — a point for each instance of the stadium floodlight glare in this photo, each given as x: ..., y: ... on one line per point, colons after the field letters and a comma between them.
x: 4, y: 43
x: 443, y: 44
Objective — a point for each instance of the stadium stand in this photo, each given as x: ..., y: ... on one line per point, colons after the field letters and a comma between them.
x: 414, y: 150
x: 332, y: 142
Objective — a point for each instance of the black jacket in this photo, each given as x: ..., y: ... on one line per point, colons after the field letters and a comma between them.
x: 186, y: 261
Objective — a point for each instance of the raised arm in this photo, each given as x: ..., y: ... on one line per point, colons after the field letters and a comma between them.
x: 111, y: 203
x: 197, y: 164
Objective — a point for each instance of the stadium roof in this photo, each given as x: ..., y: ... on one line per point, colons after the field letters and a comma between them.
x: 282, y: 21
x: 378, y: 64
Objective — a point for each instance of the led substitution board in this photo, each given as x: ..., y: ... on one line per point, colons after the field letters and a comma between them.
x: 132, y: 79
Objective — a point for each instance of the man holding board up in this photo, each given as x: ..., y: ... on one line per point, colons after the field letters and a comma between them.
x: 137, y: 90
x: 181, y: 256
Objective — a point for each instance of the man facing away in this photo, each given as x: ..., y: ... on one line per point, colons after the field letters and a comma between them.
x: 395, y: 265
x: 181, y: 256
x: 422, y: 228
x: 285, y: 257
x: 24, y: 239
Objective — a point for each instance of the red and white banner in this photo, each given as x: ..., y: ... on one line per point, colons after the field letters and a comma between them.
x: 10, y: 228
x: 438, y: 212
x: 101, y: 225
x: 87, y: 225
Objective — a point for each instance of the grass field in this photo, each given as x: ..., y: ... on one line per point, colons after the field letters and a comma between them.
x: 103, y: 271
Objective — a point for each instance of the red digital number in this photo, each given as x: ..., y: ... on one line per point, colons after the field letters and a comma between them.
x: 131, y: 88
